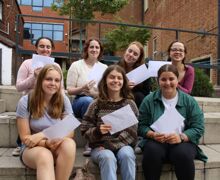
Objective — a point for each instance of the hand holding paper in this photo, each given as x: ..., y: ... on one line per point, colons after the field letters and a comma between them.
x: 62, y: 128
x: 41, y: 61
x: 120, y: 119
x: 96, y: 73
x: 170, y: 122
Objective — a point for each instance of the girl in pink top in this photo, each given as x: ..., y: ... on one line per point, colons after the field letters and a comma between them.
x: 176, y: 53
x: 26, y: 75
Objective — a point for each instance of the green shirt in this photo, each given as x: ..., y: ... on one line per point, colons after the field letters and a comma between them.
x: 152, y: 108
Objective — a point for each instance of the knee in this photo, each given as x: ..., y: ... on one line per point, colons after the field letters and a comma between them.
x: 181, y: 156
x: 107, y: 157
x: 68, y: 147
x: 45, y: 158
x: 87, y: 100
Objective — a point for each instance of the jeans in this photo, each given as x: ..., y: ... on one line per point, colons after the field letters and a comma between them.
x: 80, y: 105
x: 108, y: 161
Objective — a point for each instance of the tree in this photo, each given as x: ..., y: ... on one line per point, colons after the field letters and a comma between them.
x: 84, y: 9
x: 119, y: 38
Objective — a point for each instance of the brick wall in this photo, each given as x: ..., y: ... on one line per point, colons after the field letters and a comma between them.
x: 193, y: 15
x: 60, y: 46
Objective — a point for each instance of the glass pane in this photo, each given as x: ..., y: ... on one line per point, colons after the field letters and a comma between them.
x: 36, y: 26
x: 58, y: 27
x: 36, y: 34
x: 27, y: 25
x: 57, y: 36
x: 38, y: 3
x: 19, y: 2
x: 48, y: 34
x: 27, y: 34
x: 48, y: 26
x: 35, y: 8
x: 26, y: 2
x: 48, y: 3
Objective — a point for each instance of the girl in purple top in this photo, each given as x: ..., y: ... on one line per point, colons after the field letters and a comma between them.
x: 177, y: 52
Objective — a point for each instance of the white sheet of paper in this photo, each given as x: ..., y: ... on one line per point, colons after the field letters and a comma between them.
x: 154, y: 66
x: 170, y: 122
x: 120, y: 119
x: 139, y: 74
x: 96, y: 73
x: 62, y: 128
x: 41, y: 61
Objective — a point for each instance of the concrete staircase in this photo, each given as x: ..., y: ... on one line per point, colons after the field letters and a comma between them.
x: 11, y: 168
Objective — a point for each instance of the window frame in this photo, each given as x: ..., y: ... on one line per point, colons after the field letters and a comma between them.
x: 32, y: 3
x: 52, y: 30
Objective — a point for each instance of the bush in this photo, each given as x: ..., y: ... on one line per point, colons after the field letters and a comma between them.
x: 202, y: 86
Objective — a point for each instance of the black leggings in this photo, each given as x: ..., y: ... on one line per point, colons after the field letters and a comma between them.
x: 181, y: 156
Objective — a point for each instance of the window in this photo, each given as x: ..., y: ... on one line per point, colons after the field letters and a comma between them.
x: 1, y: 10
x: 204, y: 64
x: 39, y: 4
x: 33, y: 31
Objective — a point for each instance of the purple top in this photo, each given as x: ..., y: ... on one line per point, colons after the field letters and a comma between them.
x: 186, y: 84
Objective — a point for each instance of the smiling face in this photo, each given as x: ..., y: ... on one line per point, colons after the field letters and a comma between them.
x: 51, y: 83
x: 44, y: 47
x: 177, y: 52
x: 114, y: 81
x: 168, y: 82
x: 132, y: 54
x: 93, y: 50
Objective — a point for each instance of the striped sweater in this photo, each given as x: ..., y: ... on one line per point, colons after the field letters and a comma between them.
x: 90, y: 127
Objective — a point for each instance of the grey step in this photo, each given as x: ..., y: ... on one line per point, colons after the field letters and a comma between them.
x: 11, y: 97
x: 2, y: 106
x: 8, y: 130
x: 12, y: 169
x: 9, y: 133
x: 209, y: 104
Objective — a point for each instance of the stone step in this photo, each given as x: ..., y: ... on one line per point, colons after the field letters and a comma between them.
x: 12, y: 169
x: 2, y: 106
x: 9, y: 133
x: 8, y: 130
x: 209, y: 104
x: 11, y: 97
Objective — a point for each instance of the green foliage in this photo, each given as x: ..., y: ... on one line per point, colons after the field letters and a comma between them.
x: 84, y: 9
x: 202, y: 86
x: 121, y: 37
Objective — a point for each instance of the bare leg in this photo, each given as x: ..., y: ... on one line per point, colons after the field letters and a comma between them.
x: 41, y: 159
x: 65, y: 159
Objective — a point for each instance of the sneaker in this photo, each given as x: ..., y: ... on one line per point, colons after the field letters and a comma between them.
x: 16, y: 151
x: 87, y: 150
x: 137, y: 150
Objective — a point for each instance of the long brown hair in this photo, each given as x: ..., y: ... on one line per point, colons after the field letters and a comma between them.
x: 140, y: 60
x: 168, y: 68
x: 103, y: 89
x: 86, y: 47
x: 37, y: 96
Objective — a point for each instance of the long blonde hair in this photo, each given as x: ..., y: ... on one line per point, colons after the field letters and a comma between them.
x: 37, y: 96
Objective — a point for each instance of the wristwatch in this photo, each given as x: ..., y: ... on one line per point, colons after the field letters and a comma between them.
x: 182, y: 138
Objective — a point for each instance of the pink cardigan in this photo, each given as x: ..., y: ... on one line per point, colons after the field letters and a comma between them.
x: 186, y: 84
x: 25, y: 78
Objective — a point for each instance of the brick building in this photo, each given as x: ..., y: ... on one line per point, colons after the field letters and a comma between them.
x: 8, y: 11
x: 41, y: 20
x: 195, y: 15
